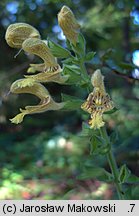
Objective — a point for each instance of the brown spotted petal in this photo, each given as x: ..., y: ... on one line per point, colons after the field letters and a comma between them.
x: 98, y: 101
x: 39, y: 47
x: 68, y: 24
x: 46, y: 101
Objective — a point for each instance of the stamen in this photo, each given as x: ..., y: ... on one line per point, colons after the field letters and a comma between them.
x: 18, y: 53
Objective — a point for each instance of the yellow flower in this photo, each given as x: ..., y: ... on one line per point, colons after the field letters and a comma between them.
x: 39, y: 47
x: 98, y: 101
x: 37, y: 89
x: 17, y: 33
x: 96, y: 121
x: 68, y: 24
x: 50, y: 71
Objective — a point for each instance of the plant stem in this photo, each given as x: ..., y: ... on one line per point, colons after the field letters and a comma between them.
x: 112, y: 164
x: 83, y: 68
x: 84, y: 74
x: 103, y: 132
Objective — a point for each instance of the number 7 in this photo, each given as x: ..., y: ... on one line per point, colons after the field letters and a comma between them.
x: 133, y: 205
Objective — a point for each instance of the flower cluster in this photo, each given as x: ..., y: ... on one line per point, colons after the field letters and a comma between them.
x: 24, y: 36
x: 98, y: 101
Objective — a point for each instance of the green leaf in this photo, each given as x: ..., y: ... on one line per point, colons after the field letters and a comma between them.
x: 84, y: 83
x: 71, y: 102
x: 86, y: 130
x: 128, y: 193
x: 57, y: 50
x: 132, y: 179
x: 111, y: 111
x: 99, y: 145
x: 104, y: 149
x: 68, y: 44
x: 74, y: 73
x: 80, y: 47
x: 96, y: 172
x: 94, y: 145
x: 70, y: 61
x: 114, y: 136
x: 124, y: 174
x: 74, y: 68
x: 135, y: 192
x: 82, y: 43
x: 132, y: 193
x: 89, y: 56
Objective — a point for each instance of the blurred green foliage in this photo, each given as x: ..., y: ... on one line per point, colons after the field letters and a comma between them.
x: 43, y: 157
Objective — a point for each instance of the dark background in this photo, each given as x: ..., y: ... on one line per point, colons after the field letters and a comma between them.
x: 42, y: 157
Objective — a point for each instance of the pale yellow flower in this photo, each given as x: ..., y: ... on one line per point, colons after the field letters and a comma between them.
x: 68, y: 24
x: 37, y: 89
x: 17, y: 33
x: 98, y: 101
x: 48, y: 73
x: 39, y: 47
x: 96, y: 121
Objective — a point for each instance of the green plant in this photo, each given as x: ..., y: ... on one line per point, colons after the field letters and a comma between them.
x: 72, y: 72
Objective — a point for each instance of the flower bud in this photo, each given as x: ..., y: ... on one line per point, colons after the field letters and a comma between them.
x: 97, y: 80
x: 39, y: 47
x: 68, y: 24
x: 17, y: 33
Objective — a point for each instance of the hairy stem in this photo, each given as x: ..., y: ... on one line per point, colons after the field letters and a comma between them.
x: 112, y: 164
